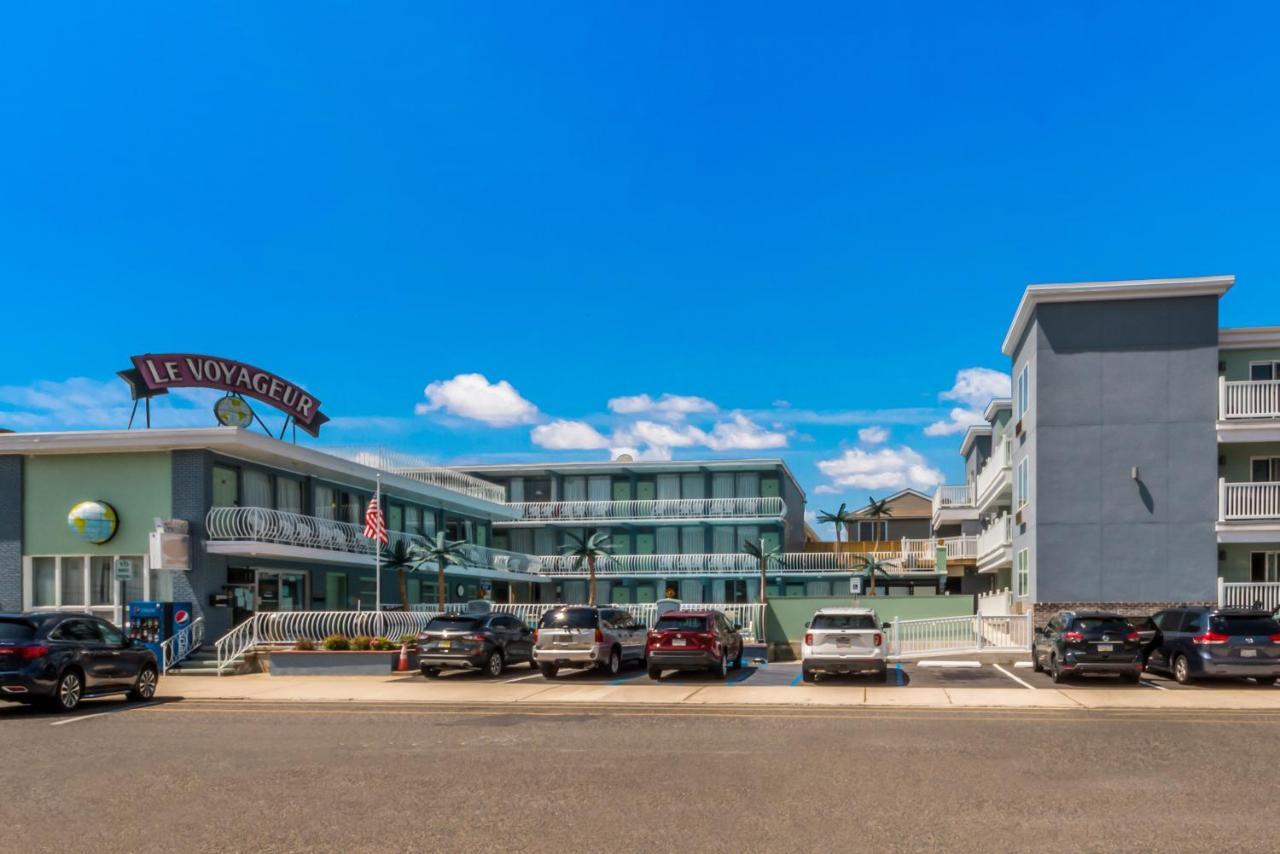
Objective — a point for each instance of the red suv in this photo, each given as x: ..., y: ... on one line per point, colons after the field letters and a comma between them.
x: 693, y: 640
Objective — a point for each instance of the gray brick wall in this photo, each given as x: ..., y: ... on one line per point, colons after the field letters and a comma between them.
x: 10, y: 533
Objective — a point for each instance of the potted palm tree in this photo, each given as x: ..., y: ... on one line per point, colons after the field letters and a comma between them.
x: 588, y: 549
x: 442, y: 552
x: 766, y: 554
x: 841, y: 518
x: 877, y: 511
x: 871, y: 565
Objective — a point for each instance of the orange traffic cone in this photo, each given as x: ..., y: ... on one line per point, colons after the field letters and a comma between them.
x: 403, y: 664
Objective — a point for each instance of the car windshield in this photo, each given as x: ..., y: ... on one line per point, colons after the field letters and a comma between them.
x: 453, y: 624
x: 844, y: 621
x: 1243, y: 624
x: 569, y: 618
x: 671, y: 623
x: 1101, y: 624
x: 16, y: 630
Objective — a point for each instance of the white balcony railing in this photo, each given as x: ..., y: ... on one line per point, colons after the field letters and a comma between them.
x: 263, y: 525
x: 1248, y: 501
x: 996, y: 476
x: 455, y: 481
x: 916, y: 552
x: 573, y: 512
x: 791, y: 563
x: 1248, y: 399
x: 953, y: 498
x: 996, y: 536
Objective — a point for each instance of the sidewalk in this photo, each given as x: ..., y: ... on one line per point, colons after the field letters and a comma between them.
x: 402, y: 690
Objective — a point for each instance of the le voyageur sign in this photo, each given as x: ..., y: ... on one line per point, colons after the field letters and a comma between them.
x: 155, y: 373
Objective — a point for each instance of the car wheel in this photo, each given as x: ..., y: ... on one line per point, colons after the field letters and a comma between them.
x: 548, y: 671
x: 494, y: 665
x: 882, y: 676
x: 614, y: 665
x: 69, y: 692
x: 1266, y: 680
x: 145, y: 688
x: 430, y: 672
x: 721, y: 670
x: 1036, y: 667
x: 1055, y: 672
x: 736, y: 663
x: 533, y: 664
x: 1181, y: 670
x: 809, y: 676
x: 655, y: 674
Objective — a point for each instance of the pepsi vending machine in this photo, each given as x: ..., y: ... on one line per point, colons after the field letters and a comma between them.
x: 153, y: 623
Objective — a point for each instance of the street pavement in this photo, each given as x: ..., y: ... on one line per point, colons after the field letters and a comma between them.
x: 273, y: 777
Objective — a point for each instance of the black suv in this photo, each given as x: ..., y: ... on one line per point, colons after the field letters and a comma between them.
x: 487, y: 642
x: 1087, y: 642
x: 57, y: 660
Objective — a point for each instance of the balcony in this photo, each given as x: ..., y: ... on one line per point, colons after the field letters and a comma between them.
x: 1248, y: 411
x: 924, y: 551
x: 455, y: 481
x: 994, y: 483
x: 995, y: 545
x: 954, y: 504
x: 673, y: 511
x: 1248, y: 512
x: 261, y: 532
x: 738, y: 565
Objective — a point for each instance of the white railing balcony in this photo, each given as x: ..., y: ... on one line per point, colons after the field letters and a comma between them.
x: 667, y: 510
x: 259, y: 525
x: 924, y: 551
x: 995, y: 478
x: 788, y: 564
x: 1248, y: 399
x: 996, y: 536
x: 1240, y: 502
x: 959, y: 497
x: 455, y: 481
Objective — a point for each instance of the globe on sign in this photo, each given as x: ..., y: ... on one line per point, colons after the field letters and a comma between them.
x: 93, y: 521
x: 232, y: 411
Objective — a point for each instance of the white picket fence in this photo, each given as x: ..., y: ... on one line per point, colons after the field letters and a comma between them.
x: 1249, y: 594
x: 976, y: 633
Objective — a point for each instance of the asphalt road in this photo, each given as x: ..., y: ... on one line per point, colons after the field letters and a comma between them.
x: 191, y: 776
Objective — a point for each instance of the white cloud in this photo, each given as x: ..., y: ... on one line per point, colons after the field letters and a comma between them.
x: 740, y: 433
x: 658, y: 454
x: 673, y: 407
x: 81, y: 403
x: 974, y: 388
x: 473, y: 396
x: 737, y: 433
x: 886, y: 468
x: 659, y: 435
x: 565, y: 435
x: 873, y: 435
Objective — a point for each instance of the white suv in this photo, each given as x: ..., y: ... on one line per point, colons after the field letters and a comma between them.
x: 843, y: 640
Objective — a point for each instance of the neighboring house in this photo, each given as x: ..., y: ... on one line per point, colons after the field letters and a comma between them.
x: 1138, y: 462
x: 909, y: 520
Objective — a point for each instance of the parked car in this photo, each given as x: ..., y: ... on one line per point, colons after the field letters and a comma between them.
x: 57, y: 660
x: 1087, y: 642
x: 843, y: 640
x: 487, y: 642
x: 1198, y: 642
x: 693, y: 640
x: 587, y: 636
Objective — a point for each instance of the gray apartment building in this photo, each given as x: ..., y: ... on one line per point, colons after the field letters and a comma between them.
x: 1137, y: 462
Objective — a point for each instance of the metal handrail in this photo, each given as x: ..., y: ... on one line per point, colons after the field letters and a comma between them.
x: 455, y: 481
x: 645, y: 509
x: 737, y: 564
x: 186, y: 641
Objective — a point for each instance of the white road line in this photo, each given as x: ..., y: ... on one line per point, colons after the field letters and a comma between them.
x: 1153, y: 685
x: 534, y: 675
x: 949, y: 664
x: 66, y: 721
x: 1014, y: 678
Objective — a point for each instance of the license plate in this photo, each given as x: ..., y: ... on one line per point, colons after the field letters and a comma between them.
x: 843, y: 641
x: 679, y: 642
x: 445, y: 644
x: 1248, y: 653
x: 1105, y: 647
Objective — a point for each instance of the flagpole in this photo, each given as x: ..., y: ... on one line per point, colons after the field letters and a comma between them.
x: 377, y: 562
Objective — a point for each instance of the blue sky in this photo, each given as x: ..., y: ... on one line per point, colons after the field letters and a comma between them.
x: 809, y: 219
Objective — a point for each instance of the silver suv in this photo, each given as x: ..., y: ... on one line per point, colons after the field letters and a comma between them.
x: 843, y: 640
x: 586, y: 636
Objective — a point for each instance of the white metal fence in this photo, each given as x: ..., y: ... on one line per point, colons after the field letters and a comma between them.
x: 1249, y: 594
x: 664, y: 508
x: 977, y: 633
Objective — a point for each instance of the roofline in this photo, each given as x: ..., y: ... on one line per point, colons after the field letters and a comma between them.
x: 972, y: 432
x: 614, y: 466
x: 901, y: 492
x: 242, y: 444
x: 996, y: 405
x: 1096, y: 291
x: 1248, y: 337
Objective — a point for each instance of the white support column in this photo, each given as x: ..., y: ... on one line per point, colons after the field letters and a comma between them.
x: 1222, y: 592
x: 1222, y: 499
x: 1222, y: 398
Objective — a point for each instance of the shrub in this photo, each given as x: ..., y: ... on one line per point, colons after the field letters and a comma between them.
x: 361, y: 642
x: 337, y: 642
x: 411, y: 640
x: 383, y: 644
x: 305, y: 645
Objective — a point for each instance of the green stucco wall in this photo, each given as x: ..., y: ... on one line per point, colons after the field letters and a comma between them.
x: 1237, y: 457
x: 138, y: 486
x: 787, y: 615
x: 1237, y: 361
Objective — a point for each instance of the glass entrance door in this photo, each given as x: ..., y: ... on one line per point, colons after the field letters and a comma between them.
x: 279, y: 590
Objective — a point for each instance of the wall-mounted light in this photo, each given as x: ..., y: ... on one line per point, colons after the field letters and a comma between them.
x: 1133, y: 473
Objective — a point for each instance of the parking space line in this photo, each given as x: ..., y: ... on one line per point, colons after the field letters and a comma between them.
x: 1022, y: 664
x: 66, y: 721
x: 949, y: 664
x: 1153, y: 685
x: 1021, y: 682
x: 522, y: 678
x: 898, y: 676
x: 796, y: 681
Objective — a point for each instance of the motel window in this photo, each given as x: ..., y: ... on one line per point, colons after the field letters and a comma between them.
x: 1264, y: 566
x: 1024, y: 391
x: 537, y: 489
x: 288, y: 495
x: 1023, y: 579
x: 412, y: 520
x: 101, y: 578
x: 44, y: 582
x: 1264, y: 469
x: 87, y: 583
x: 226, y: 492
x: 1021, y: 485
x: 1263, y: 371
x: 73, y: 581
x: 326, y: 505
x: 748, y: 485
x: 722, y: 485
x: 872, y: 531
x: 257, y: 488
x: 352, y: 508
x: 395, y: 517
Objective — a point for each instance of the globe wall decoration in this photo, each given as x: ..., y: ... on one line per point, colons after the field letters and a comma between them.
x: 93, y: 522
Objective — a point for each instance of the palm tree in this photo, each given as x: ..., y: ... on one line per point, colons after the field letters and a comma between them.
x: 841, y: 518
x: 400, y: 557
x: 871, y: 565
x: 765, y: 554
x: 588, y: 549
x: 442, y: 552
x: 876, y: 511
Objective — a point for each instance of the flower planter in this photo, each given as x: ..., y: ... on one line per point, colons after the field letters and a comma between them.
x: 323, y: 662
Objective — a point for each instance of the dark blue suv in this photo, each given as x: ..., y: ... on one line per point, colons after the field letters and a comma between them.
x: 58, y: 659
x: 1192, y: 643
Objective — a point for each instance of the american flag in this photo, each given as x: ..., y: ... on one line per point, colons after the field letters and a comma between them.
x: 374, y: 526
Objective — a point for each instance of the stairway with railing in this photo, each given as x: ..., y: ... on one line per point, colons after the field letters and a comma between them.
x: 178, y: 648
